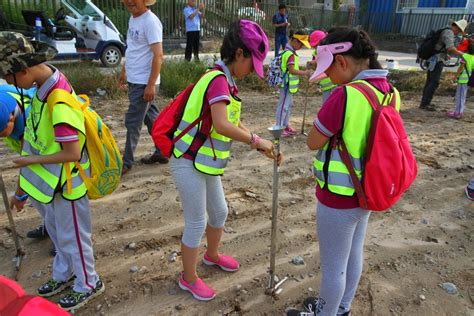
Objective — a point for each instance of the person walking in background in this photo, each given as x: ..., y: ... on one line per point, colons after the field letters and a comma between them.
x: 289, y: 86
x: 193, y: 16
x: 445, y: 47
x: 281, y: 24
x: 141, y: 72
x: 464, y: 71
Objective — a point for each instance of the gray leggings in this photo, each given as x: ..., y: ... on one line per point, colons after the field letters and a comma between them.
x: 199, y: 193
x: 341, y: 248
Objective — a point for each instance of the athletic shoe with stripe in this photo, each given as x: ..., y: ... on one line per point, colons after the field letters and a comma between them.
x: 75, y: 300
x: 53, y: 287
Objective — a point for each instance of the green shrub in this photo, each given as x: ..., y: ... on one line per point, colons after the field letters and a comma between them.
x: 178, y: 74
x: 86, y: 77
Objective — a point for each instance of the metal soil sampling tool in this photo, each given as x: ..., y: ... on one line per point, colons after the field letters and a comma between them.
x: 19, y: 250
x: 305, y: 106
x: 274, y: 289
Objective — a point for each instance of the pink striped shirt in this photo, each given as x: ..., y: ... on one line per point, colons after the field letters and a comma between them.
x: 63, y: 133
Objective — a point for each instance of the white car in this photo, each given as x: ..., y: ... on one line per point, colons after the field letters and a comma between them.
x: 251, y: 13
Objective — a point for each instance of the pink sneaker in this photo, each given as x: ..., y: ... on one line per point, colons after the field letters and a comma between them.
x: 454, y: 115
x: 200, y: 290
x: 286, y: 134
x: 291, y: 129
x: 226, y: 263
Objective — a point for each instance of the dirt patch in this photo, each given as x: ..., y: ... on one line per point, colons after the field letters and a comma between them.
x: 425, y: 240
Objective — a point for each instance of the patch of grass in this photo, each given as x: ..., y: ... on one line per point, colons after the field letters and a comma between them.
x: 86, y: 77
x: 414, y: 81
x: 178, y: 74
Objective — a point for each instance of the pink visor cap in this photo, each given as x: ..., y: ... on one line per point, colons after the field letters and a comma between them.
x: 325, y: 57
x: 255, y: 39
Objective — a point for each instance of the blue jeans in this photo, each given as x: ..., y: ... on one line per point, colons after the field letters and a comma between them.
x: 139, y: 112
x: 280, y: 42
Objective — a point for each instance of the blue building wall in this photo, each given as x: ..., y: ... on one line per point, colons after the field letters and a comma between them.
x: 437, y: 3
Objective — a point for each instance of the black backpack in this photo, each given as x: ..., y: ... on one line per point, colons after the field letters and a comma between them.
x: 427, y: 46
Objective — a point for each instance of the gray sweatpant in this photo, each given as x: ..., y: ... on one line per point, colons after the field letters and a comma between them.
x: 139, y: 112
x: 199, y: 193
x: 69, y: 227
x: 471, y: 184
x: 341, y: 236
x: 461, y: 93
x: 283, y: 110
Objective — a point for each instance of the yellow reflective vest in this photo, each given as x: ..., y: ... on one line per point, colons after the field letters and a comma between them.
x: 468, y: 68
x: 291, y: 81
x: 356, y: 127
x: 213, y: 156
x: 43, y: 181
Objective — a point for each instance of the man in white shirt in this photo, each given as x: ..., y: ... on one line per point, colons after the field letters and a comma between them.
x: 141, y: 72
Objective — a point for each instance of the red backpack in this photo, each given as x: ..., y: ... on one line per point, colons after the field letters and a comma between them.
x: 169, y: 118
x: 14, y: 302
x: 390, y: 165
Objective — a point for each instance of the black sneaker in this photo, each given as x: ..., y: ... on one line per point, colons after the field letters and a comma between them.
x: 52, y: 251
x: 295, y: 312
x: 310, y: 303
x: 125, y: 169
x: 156, y: 157
x: 75, y: 300
x: 39, y: 232
x: 428, y: 107
x: 53, y: 287
x: 469, y: 193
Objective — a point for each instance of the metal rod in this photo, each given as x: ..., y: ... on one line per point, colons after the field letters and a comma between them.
x: 305, y: 106
x: 19, y: 251
x: 281, y: 282
x: 276, y: 150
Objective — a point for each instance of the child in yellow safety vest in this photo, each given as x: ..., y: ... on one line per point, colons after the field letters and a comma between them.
x: 291, y: 72
x: 54, y: 138
x: 463, y: 74
x: 14, y: 109
x: 201, y: 155
x: 346, y: 56
x: 325, y: 84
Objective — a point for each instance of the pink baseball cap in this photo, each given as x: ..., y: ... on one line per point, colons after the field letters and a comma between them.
x: 256, y: 41
x: 316, y: 37
x: 325, y: 57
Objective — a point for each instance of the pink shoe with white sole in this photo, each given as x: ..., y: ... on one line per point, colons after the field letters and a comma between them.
x: 226, y: 263
x: 200, y: 290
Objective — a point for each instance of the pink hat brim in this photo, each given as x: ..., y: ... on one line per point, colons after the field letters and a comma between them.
x: 325, y: 57
x: 258, y: 67
x: 324, y: 60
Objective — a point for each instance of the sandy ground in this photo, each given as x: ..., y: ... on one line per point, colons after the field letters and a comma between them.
x: 425, y: 240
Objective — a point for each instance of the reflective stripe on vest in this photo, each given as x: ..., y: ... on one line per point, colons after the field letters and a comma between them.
x: 42, y: 181
x: 192, y: 111
x: 292, y: 81
x: 468, y: 68
x: 357, y: 121
x: 213, y: 155
x: 326, y: 84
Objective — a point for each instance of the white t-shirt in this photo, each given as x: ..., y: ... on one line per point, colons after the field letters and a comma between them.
x: 143, y: 31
